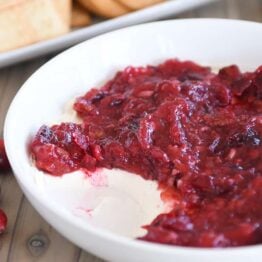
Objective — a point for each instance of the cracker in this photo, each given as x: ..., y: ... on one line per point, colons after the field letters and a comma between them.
x: 138, y: 4
x: 105, y: 8
x: 24, y: 22
x: 80, y: 16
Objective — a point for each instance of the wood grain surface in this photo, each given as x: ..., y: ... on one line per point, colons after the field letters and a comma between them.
x: 28, y: 237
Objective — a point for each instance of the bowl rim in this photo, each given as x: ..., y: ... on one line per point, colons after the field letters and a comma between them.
x: 80, y: 225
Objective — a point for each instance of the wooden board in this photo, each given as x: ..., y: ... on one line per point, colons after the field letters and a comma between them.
x: 29, y: 237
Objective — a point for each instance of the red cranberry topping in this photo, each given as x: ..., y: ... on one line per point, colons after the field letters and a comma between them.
x: 197, y: 133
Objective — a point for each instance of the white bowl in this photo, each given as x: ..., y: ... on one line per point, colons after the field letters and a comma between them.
x: 42, y: 98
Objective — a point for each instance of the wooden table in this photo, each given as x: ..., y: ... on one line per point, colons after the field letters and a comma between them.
x: 29, y: 237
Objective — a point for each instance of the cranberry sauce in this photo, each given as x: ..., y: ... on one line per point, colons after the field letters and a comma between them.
x: 192, y: 130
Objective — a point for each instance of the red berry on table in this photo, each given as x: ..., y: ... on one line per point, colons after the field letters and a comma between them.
x: 4, y: 163
x: 3, y: 221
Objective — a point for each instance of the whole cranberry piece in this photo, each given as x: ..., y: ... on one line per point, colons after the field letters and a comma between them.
x: 3, y: 221
x: 4, y: 163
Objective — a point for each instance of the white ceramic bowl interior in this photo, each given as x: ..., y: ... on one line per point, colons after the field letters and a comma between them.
x: 42, y: 99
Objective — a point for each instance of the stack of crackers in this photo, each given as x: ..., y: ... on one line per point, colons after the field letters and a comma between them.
x: 108, y: 8
x: 23, y: 22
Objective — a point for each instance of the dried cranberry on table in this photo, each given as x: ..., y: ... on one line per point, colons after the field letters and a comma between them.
x: 4, y: 166
x: 3, y: 221
x: 196, y: 132
x: 4, y: 163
